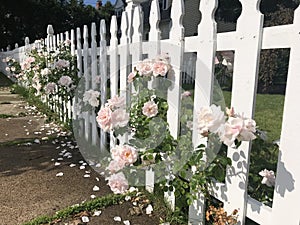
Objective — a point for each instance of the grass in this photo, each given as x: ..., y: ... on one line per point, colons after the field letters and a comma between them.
x: 103, y: 202
x: 91, y: 206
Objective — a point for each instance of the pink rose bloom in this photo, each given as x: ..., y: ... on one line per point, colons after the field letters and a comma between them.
x: 116, y: 102
x: 145, y: 67
x: 125, y: 153
x: 239, y: 128
x: 45, y: 72
x: 160, y: 68
x: 119, y: 118
x: 150, y: 109
x: 30, y: 60
x: 50, y: 88
x: 115, y: 165
x: 65, y: 81
x: 61, y: 64
x: 268, y: 177
x: 7, y: 69
x: 118, y: 183
x: 210, y: 119
x: 131, y: 77
x: 91, y: 97
x: 128, y: 154
x: 104, y: 119
x: 230, y: 131
x: 249, y: 128
x: 186, y: 94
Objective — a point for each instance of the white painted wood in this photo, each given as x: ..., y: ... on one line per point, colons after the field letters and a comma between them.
x: 72, y: 42
x: 87, y: 75
x: 175, y: 50
x: 137, y: 35
x: 287, y: 188
x: 114, y: 69
x: 61, y: 38
x: 67, y: 35
x: 154, y: 41
x: 258, y: 212
x: 79, y: 52
x: 94, y: 86
x: 50, y: 33
x: 244, y: 84
x: 129, y: 10
x: 154, y: 19
x: 103, y: 74
x: 204, y: 81
x: 124, y: 54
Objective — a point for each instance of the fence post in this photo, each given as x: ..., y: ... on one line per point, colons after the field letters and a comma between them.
x: 176, y: 54
x: 103, y: 73
x: 94, y: 65
x: 285, y: 208
x: 50, y: 33
x: 87, y: 78
x: 248, y: 45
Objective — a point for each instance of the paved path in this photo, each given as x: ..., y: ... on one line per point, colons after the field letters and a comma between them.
x: 28, y: 182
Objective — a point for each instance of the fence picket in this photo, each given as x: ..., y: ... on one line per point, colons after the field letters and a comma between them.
x: 175, y: 50
x: 244, y: 83
x: 103, y: 74
x: 86, y: 74
x: 95, y: 87
x: 287, y: 189
x: 204, y: 80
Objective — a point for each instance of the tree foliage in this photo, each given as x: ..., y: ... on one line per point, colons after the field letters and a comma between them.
x: 31, y: 17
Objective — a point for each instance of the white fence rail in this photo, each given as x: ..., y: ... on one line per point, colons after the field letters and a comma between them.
x: 247, y: 41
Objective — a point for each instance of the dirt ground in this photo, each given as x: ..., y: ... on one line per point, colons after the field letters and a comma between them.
x: 29, y: 171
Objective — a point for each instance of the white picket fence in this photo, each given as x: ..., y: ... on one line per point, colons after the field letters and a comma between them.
x: 247, y: 41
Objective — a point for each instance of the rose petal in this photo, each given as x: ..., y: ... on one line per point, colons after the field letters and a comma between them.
x: 97, y: 213
x: 96, y: 188
x: 149, y: 209
x: 117, y: 218
x: 60, y: 174
x: 85, y: 219
x: 126, y: 222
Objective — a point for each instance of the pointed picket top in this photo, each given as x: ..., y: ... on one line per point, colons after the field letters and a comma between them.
x: 208, y: 26
x: 137, y: 24
x: 93, y: 34
x: 102, y: 30
x: 85, y: 37
x: 57, y: 39
x: 67, y: 35
x: 113, y: 31
x: 78, y: 37
x: 50, y: 30
x: 61, y: 37
x: 27, y: 41
x: 177, y: 13
x: 124, y: 28
x: 72, y: 42
x: 154, y: 19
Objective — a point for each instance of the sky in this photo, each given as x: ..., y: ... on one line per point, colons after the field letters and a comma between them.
x: 93, y: 2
